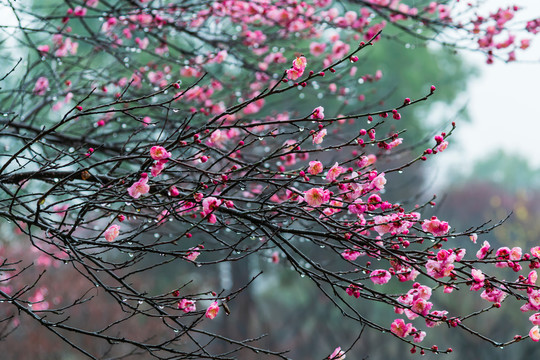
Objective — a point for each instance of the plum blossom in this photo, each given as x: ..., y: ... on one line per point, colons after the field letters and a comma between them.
x: 221, y: 56
x: 535, y: 333
x: 38, y: 299
x: 299, y: 65
x: 435, y: 315
x: 357, y: 207
x: 443, y: 265
x: 392, y: 223
x: 380, y: 276
x: 482, y: 253
x: 532, y: 277
x: 187, y: 305
x: 351, y: 255
x: 435, y: 226
x: 317, y: 196
x: 353, y: 290
x: 401, y: 329
x: 41, y: 87
x: 112, y: 233
x: 318, y: 113
x: 478, y: 278
x: 193, y: 253
x: 43, y: 49
x: 158, y: 167
x: 394, y: 143
x: 378, y: 183
x: 334, y: 172
x: 338, y: 354
x: 210, y: 204
x: 418, y: 336
x: 493, y: 295
x: 293, y: 74
x: 535, y: 319
x: 315, y: 167
x: 159, y: 153
x: 212, y: 310
x: 442, y: 146
x: 317, y: 49
x: 319, y: 136
x: 421, y: 306
x: 535, y: 251
x: 534, y: 299
x: 140, y: 187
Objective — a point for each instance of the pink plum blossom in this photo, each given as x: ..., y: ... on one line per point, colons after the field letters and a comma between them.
x: 41, y: 87
x: 315, y: 167
x: 158, y: 167
x: 43, y: 49
x: 421, y: 306
x: 300, y: 63
x: 316, y: 197
x: 221, y: 56
x: 401, y: 329
x: 338, y: 354
x: 418, y: 336
x: 193, y: 253
x: 482, y: 253
x: 535, y: 333
x: 430, y: 322
x: 318, y: 113
x: 187, y: 305
x: 293, y: 74
x: 212, y: 310
x: 351, y: 255
x: 358, y: 207
x: 79, y: 11
x: 380, y: 276
x: 442, y: 146
x: 437, y: 269
x: 159, y: 153
x: 319, y: 136
x: 140, y: 187
x: 532, y: 277
x: 317, y: 49
x: 112, y: 233
x: 334, y: 172
x: 435, y: 226
x: 535, y: 319
x: 173, y: 191
x: 515, y: 253
x: 534, y: 299
x: 493, y: 295
x: 394, y: 143
x: 353, y: 290
x: 378, y: 183
x: 478, y: 278
x: 210, y: 204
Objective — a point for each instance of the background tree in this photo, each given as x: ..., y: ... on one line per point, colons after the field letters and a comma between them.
x: 160, y: 155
